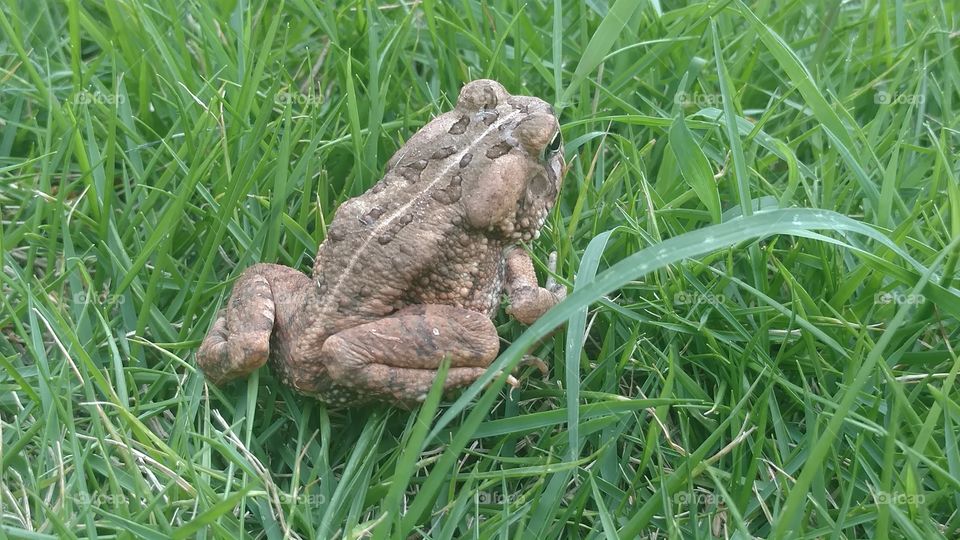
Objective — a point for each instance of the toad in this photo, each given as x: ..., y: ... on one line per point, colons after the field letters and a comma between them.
x: 411, y: 271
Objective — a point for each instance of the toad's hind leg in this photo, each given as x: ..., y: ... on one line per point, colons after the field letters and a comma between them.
x: 395, y: 359
x: 239, y: 340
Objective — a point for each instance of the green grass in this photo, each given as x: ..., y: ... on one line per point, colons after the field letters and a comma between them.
x: 760, y: 228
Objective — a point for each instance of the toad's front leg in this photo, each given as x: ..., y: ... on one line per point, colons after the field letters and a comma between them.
x: 528, y: 300
x: 395, y: 359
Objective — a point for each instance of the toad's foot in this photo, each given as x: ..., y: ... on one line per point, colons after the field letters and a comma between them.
x: 396, y: 358
x: 239, y: 340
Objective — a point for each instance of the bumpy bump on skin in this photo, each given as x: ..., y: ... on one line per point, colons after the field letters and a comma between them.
x: 411, y: 171
x: 335, y: 234
x: 371, y: 216
x: 444, y: 152
x: 460, y: 126
x: 450, y: 193
x: 499, y: 149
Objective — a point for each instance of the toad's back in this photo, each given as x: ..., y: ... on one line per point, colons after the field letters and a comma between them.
x: 410, y: 239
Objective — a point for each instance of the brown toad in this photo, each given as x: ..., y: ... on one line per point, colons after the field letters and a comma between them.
x: 412, y: 270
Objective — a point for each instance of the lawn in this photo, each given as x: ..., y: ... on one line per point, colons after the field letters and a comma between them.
x: 759, y: 229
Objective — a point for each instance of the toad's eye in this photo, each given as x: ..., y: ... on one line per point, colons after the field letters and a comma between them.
x: 554, y: 145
